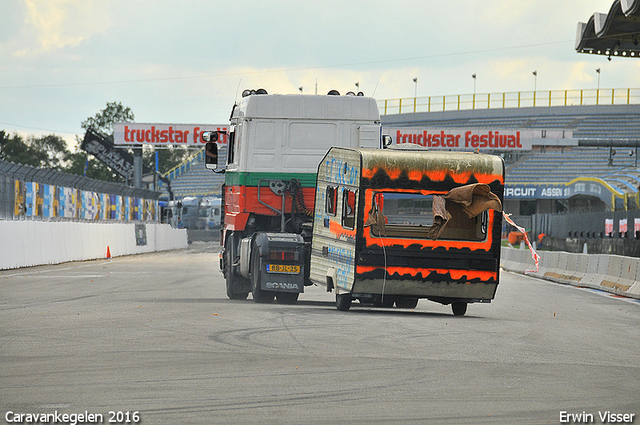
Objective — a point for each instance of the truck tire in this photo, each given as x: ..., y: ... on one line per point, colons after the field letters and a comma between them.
x: 230, y: 275
x: 259, y: 295
x: 343, y: 302
x: 287, y: 297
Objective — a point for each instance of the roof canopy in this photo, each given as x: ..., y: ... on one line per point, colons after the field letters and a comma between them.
x: 613, y: 34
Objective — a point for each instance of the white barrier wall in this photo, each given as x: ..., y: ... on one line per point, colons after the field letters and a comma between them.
x: 611, y: 273
x: 31, y: 243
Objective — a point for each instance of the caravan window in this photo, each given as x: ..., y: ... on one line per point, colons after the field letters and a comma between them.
x: 411, y: 215
x: 349, y: 208
x: 331, y: 201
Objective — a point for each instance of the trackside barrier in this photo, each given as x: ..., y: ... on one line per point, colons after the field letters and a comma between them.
x: 31, y: 243
x: 610, y: 273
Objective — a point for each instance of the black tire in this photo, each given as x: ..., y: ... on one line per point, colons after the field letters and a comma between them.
x: 230, y: 275
x: 259, y: 295
x: 287, y: 297
x: 459, y: 309
x: 343, y: 302
x: 405, y: 302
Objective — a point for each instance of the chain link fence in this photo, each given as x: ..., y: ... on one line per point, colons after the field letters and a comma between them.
x: 30, y: 193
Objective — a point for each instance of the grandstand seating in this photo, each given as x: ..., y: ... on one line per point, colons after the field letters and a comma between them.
x: 595, y: 122
x: 598, y: 123
x: 620, y: 170
x: 191, y: 178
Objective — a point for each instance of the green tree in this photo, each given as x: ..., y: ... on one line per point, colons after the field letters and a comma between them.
x: 102, y: 123
x: 51, y: 151
x: 46, y: 151
x: 14, y: 149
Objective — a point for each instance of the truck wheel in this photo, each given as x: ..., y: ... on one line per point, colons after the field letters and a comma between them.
x: 459, y: 309
x: 287, y: 297
x: 406, y: 302
x: 259, y: 295
x: 343, y: 302
x: 230, y: 276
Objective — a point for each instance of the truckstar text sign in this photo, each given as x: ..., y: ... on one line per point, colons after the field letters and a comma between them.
x: 164, y: 134
x: 471, y: 139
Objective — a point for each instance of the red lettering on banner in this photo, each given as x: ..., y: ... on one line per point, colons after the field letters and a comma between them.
x: 442, y: 139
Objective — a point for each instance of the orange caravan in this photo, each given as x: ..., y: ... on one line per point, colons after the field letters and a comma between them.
x: 395, y: 225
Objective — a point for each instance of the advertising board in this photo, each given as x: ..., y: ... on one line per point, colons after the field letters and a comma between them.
x: 164, y: 134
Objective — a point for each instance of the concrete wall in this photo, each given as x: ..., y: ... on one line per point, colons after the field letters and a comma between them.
x: 30, y: 243
x: 612, y: 273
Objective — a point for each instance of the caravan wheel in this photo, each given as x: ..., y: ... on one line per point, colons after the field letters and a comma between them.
x: 343, y: 302
x: 459, y: 309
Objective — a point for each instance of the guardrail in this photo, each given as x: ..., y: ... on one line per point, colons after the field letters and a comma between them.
x: 523, y: 99
x: 611, y: 273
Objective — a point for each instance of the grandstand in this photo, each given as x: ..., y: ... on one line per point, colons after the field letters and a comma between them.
x: 604, y: 161
x: 191, y: 178
x: 603, y: 154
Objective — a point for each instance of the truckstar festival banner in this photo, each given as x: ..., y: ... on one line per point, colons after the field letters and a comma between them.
x: 127, y: 133
x: 471, y: 139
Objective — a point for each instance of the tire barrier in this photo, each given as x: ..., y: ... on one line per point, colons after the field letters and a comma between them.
x: 611, y: 273
x: 28, y: 243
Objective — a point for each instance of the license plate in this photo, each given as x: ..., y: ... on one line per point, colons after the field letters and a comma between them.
x: 283, y: 268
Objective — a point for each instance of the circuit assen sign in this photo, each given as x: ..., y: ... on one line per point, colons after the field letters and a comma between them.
x: 471, y: 139
x: 164, y: 134
x: 580, y: 186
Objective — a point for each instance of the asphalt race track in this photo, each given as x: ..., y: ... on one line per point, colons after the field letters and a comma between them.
x: 154, y: 339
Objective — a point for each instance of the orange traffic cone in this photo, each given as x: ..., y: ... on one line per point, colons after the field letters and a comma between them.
x: 108, y: 252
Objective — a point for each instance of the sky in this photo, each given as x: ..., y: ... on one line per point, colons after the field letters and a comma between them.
x: 187, y: 61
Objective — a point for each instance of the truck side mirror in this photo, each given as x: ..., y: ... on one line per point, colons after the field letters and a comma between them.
x: 211, y: 155
x: 386, y: 141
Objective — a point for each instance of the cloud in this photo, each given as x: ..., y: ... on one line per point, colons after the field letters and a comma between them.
x: 55, y: 24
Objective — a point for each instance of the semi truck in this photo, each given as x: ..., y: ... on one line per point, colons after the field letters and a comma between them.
x: 312, y: 197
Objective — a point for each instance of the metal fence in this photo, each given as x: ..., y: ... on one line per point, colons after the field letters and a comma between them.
x: 611, y: 224
x: 30, y: 193
x: 522, y: 99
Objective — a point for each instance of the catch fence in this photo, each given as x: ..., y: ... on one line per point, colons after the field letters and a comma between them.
x: 31, y: 193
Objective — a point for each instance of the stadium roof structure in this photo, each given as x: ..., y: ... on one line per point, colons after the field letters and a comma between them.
x: 612, y: 34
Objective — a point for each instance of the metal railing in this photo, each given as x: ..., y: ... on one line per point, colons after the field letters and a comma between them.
x: 505, y: 100
x: 30, y: 193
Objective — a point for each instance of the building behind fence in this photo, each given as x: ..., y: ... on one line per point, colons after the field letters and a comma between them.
x: 30, y: 193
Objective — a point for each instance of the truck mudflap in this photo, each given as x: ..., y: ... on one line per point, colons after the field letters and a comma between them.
x: 280, y: 262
